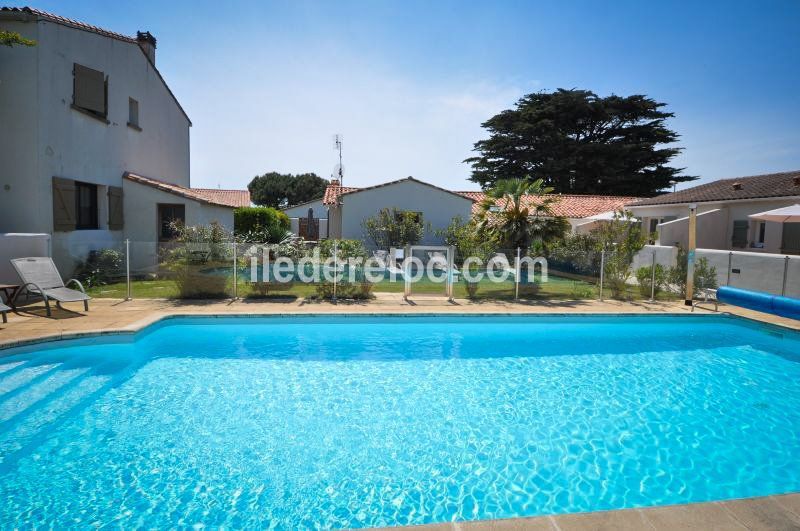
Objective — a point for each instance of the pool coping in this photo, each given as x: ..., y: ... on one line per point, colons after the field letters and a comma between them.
x: 144, y: 323
x: 777, y: 511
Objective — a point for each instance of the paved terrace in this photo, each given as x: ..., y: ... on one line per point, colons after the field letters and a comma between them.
x: 108, y: 315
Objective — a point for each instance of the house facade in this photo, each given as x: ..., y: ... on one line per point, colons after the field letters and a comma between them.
x: 723, y: 208
x: 341, y: 212
x: 80, y: 110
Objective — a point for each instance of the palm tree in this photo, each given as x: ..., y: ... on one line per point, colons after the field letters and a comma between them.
x: 518, y: 212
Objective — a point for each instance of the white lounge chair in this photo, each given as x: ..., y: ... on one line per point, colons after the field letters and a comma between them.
x: 40, y: 277
x: 3, y: 310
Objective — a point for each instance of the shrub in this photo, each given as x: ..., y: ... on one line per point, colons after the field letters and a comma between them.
x: 467, y: 239
x: 644, y: 276
x: 344, y: 249
x: 705, y: 275
x: 260, y: 224
x: 622, y: 238
x: 576, y: 253
x: 192, y: 259
x: 345, y: 290
x: 100, y: 267
x: 394, y: 228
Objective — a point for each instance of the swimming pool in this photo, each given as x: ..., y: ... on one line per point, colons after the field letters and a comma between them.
x: 335, y: 422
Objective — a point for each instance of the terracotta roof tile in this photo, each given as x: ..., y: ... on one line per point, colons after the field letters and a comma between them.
x: 567, y: 205
x: 752, y: 187
x: 234, y: 198
x: 225, y: 198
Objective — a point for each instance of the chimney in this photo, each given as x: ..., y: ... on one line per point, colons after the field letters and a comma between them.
x: 737, y: 186
x: 148, y: 44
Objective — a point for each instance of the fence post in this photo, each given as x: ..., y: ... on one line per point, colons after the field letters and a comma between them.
x: 602, y: 271
x: 730, y: 262
x: 335, y: 267
x: 235, y: 273
x: 517, y: 271
x: 128, y: 268
x: 451, y: 259
x: 406, y: 276
x: 653, y: 279
x: 785, y: 275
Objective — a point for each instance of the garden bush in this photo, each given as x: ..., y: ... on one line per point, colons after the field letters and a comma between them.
x: 705, y: 275
x: 100, y: 268
x: 260, y: 224
x: 644, y: 276
x: 194, y: 259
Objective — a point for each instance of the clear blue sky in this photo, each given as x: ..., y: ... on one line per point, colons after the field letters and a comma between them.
x: 408, y: 83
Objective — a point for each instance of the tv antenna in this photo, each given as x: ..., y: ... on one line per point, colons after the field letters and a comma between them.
x: 338, y: 170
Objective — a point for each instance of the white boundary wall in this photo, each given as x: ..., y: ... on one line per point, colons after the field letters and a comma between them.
x: 748, y: 270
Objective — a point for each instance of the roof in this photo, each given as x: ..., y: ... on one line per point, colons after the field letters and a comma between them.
x: 24, y: 13
x: 566, y: 205
x: 753, y: 187
x: 224, y: 198
x: 38, y: 13
x: 334, y: 190
x: 234, y: 198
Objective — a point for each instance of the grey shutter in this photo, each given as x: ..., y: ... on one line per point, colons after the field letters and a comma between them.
x: 89, y: 89
x: 739, y: 238
x: 63, y: 204
x: 115, y: 217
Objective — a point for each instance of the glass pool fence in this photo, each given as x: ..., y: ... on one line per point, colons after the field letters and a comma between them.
x: 341, y: 270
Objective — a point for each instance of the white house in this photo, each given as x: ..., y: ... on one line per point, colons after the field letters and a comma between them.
x: 340, y: 213
x: 81, y: 110
x: 723, y: 208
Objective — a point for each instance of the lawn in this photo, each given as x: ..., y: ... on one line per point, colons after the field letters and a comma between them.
x: 557, y: 287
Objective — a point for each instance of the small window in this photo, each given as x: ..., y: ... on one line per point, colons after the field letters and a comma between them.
x: 739, y: 238
x: 85, y: 206
x: 762, y: 231
x: 90, y: 91
x: 133, y: 113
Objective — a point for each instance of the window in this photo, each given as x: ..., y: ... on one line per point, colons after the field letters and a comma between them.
x: 133, y: 114
x: 166, y: 215
x: 739, y: 238
x: 90, y: 91
x: 85, y: 206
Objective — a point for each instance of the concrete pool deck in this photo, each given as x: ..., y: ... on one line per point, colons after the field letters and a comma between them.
x: 30, y: 324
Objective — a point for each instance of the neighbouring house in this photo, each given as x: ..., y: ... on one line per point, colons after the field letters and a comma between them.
x: 340, y: 213
x: 583, y: 212
x: 723, y: 208
x: 94, y: 144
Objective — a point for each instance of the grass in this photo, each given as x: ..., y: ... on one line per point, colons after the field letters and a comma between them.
x: 558, y: 288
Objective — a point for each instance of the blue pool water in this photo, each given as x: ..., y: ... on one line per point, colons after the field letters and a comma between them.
x: 354, y: 422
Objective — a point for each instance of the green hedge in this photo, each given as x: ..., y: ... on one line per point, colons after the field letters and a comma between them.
x: 260, y: 224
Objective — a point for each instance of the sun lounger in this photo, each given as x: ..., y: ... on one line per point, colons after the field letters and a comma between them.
x: 40, y: 277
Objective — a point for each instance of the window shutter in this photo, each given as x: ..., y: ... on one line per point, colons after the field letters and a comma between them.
x: 739, y: 238
x: 90, y: 89
x: 115, y: 217
x: 63, y: 204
